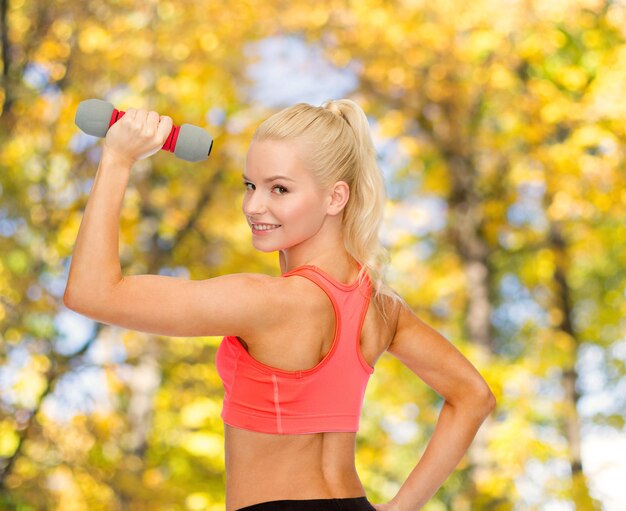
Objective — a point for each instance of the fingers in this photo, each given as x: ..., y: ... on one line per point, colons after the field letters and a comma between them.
x: 151, y: 124
x: 164, y: 127
x: 139, y: 133
x: 130, y: 113
x: 141, y: 120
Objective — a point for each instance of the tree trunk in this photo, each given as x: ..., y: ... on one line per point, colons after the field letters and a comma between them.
x: 465, y: 227
x: 569, y: 377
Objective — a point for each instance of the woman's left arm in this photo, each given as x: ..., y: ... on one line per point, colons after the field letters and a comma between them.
x: 467, y: 403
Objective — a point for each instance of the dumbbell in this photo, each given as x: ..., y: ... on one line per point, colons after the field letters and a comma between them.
x: 188, y: 142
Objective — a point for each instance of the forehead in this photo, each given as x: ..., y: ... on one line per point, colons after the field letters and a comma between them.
x: 270, y: 157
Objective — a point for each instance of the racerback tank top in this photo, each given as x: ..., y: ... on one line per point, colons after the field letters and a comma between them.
x: 327, y: 397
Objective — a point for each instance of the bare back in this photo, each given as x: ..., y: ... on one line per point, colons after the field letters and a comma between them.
x: 261, y: 467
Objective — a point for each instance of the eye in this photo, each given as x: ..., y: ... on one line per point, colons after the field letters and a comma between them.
x: 282, y: 188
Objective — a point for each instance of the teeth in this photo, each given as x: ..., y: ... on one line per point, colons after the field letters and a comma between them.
x: 265, y: 227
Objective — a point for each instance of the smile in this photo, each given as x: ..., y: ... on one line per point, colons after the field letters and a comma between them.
x: 264, y: 227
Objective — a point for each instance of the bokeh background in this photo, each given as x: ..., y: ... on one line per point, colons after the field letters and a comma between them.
x: 500, y: 130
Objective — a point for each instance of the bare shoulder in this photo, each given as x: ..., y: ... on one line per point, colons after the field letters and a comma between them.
x: 298, y: 292
x: 388, y: 312
x: 409, y: 331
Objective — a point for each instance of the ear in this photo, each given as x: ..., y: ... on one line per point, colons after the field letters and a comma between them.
x: 338, y: 195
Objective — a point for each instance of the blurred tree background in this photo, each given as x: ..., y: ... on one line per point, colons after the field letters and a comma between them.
x: 500, y: 130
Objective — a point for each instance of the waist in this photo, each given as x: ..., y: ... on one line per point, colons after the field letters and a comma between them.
x: 264, y: 467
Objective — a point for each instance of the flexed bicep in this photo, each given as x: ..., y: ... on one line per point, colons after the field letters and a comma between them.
x: 231, y: 304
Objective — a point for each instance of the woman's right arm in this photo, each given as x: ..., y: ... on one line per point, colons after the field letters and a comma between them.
x: 468, y: 401
x: 231, y: 304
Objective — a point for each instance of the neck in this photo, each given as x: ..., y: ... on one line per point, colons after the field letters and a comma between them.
x: 325, y: 249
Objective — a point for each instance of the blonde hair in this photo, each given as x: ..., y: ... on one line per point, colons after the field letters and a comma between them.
x: 339, y: 147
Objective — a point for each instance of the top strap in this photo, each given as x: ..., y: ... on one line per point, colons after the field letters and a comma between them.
x: 326, y: 276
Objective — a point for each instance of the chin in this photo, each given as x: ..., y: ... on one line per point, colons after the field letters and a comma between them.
x: 268, y: 250
x: 267, y: 247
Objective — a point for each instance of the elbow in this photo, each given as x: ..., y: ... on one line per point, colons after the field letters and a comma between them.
x: 485, y: 400
x: 479, y: 401
x: 68, y: 298
x: 72, y: 300
x: 490, y: 402
x: 72, y: 304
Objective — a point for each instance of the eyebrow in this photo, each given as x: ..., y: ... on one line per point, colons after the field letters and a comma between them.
x: 271, y: 178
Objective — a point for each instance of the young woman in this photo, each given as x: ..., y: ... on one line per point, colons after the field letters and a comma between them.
x: 298, y: 349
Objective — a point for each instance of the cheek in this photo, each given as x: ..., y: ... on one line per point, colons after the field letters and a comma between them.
x: 303, y: 209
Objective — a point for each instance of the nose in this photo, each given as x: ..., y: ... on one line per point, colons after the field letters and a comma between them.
x: 253, y: 204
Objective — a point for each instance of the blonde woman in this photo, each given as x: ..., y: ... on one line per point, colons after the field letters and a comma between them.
x: 298, y: 349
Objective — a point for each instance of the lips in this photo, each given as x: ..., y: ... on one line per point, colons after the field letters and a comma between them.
x: 260, y: 228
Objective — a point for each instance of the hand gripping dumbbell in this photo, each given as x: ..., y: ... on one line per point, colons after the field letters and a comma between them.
x: 187, y: 142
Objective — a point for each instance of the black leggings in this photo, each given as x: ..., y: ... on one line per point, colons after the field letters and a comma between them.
x: 347, y: 504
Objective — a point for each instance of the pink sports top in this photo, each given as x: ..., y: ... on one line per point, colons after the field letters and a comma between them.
x: 327, y: 397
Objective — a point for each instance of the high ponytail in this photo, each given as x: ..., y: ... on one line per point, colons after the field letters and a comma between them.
x: 340, y: 148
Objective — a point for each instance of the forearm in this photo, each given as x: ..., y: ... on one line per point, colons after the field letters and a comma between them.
x: 95, y: 265
x: 456, y: 428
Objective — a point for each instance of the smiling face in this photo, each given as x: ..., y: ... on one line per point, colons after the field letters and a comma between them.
x: 291, y: 208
